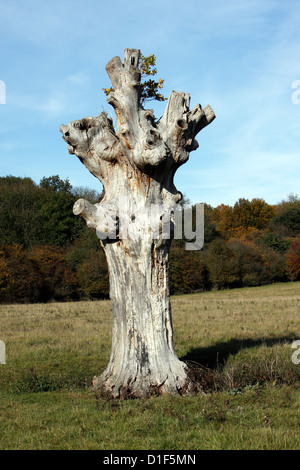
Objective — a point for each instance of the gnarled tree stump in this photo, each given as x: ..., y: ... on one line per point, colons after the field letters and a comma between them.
x: 136, y: 164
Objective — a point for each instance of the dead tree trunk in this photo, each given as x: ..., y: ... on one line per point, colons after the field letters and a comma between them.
x: 136, y: 165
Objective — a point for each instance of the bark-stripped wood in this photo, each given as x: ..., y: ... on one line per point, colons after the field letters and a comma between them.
x: 136, y: 164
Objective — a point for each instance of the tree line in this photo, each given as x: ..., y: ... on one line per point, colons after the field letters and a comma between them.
x: 47, y: 253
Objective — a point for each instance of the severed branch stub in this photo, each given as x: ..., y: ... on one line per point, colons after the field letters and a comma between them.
x: 136, y: 163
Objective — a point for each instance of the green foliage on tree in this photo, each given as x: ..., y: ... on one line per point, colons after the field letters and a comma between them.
x: 56, y: 208
x: 150, y: 89
x: 276, y: 242
x: 219, y: 261
x: 87, y: 259
x: 20, y: 218
x: 289, y: 217
x: 32, y: 214
x: 56, y: 184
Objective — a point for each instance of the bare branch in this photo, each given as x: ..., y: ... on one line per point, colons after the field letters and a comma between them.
x: 87, y: 211
x: 98, y: 217
x: 200, y: 118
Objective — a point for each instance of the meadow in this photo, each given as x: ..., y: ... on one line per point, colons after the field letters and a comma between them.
x: 238, y: 343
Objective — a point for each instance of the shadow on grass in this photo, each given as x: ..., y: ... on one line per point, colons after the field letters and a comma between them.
x: 215, y: 356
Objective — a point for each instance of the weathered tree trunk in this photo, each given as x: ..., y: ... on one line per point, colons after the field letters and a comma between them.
x: 136, y: 165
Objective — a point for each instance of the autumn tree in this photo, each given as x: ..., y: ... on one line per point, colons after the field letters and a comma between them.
x: 293, y: 260
x: 136, y: 163
x: 223, y: 218
x: 19, y: 280
x: 244, y: 217
x: 57, y: 281
x: 188, y: 272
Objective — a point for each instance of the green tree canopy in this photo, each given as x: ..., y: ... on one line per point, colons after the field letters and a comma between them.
x: 56, y: 184
x: 20, y: 219
x: 60, y: 226
x: 289, y: 217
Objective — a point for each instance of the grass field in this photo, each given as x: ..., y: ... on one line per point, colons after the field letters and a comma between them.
x: 239, y: 341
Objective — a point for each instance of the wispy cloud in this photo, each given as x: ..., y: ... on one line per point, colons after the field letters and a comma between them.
x: 54, y: 99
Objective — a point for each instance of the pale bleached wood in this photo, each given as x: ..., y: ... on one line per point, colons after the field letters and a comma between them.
x: 136, y: 164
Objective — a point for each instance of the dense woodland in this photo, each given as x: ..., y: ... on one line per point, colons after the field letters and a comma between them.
x: 48, y: 254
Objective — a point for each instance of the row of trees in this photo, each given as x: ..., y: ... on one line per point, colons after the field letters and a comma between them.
x: 46, y: 253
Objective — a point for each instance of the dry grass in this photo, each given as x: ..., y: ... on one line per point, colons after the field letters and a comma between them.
x: 243, y: 338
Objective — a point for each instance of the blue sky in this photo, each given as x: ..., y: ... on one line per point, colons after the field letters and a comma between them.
x: 241, y: 57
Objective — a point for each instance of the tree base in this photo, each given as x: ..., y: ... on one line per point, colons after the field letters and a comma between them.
x: 145, y: 389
